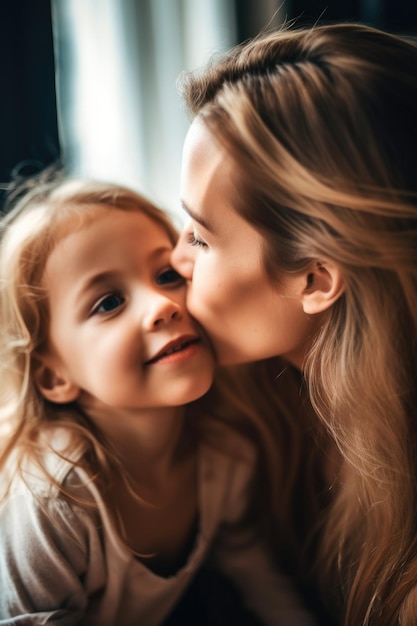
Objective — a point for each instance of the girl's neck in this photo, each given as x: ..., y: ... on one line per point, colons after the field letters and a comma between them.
x: 157, y: 483
x: 149, y: 443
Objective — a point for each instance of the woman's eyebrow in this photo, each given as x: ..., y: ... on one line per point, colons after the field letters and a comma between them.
x: 197, y: 218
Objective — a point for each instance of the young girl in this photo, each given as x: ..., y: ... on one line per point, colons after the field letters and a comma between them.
x: 112, y: 492
x: 299, y: 175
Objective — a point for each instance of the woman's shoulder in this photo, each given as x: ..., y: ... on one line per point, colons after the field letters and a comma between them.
x: 230, y: 442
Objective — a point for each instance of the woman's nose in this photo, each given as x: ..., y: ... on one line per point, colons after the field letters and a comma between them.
x: 182, y: 257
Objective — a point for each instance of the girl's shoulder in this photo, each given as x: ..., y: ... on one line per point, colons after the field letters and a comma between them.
x: 58, y: 454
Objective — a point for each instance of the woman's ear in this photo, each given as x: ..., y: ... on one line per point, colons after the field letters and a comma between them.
x: 324, y: 284
x: 52, y: 383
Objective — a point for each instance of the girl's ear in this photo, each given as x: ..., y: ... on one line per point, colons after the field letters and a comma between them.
x: 54, y: 385
x: 324, y: 284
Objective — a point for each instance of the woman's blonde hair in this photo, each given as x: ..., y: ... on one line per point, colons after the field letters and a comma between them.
x: 41, y: 212
x: 324, y: 120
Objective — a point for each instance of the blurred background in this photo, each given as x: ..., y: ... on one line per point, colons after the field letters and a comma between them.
x: 92, y: 83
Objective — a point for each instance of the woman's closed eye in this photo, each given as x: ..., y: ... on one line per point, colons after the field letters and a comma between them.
x: 108, y: 303
x: 194, y: 241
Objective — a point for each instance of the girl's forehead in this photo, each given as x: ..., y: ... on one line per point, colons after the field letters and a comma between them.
x: 114, y: 228
x: 74, y: 219
x: 124, y: 248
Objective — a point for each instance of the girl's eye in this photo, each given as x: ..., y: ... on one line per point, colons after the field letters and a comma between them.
x: 192, y: 239
x: 168, y: 277
x: 108, y: 303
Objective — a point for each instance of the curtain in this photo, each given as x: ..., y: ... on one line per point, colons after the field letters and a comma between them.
x: 117, y: 61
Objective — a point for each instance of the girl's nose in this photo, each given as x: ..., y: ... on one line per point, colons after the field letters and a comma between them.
x: 182, y: 257
x: 162, y: 312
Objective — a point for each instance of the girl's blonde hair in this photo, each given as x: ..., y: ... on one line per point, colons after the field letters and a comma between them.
x: 324, y: 120
x: 42, y: 211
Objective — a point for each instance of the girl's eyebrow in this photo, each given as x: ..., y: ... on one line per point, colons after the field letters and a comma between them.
x: 103, y: 277
x: 197, y: 218
x: 96, y: 279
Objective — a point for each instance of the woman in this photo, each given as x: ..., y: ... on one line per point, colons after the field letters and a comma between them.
x: 299, y: 176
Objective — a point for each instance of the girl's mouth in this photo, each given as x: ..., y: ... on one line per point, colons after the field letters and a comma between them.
x: 176, y: 350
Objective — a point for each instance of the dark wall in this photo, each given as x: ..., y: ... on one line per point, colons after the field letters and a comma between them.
x: 28, y: 120
x: 392, y: 15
